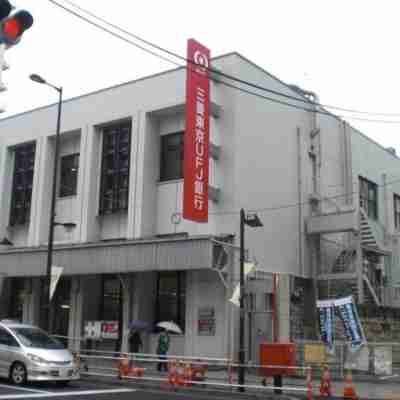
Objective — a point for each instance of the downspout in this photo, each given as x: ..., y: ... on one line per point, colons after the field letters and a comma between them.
x: 300, y: 206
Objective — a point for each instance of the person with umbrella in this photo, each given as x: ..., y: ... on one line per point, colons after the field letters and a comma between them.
x: 135, y: 340
x: 162, y: 349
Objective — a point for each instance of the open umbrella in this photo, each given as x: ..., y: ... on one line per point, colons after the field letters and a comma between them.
x: 138, y: 324
x: 170, y: 326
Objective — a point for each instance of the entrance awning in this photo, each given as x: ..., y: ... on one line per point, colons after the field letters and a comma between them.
x: 112, y: 257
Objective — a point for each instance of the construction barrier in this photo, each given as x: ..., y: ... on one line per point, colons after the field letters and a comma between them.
x: 182, y: 372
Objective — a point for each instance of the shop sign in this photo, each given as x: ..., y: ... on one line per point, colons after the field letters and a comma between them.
x: 109, y: 330
x: 98, y: 330
x: 197, y: 135
x: 206, y: 321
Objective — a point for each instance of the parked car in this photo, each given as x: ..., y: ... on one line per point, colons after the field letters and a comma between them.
x: 28, y: 353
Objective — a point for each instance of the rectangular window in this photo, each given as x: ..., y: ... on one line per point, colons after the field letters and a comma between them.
x: 68, y: 175
x: 369, y: 197
x: 114, y: 187
x: 21, y: 195
x: 171, y: 166
x: 111, y: 302
x: 171, y: 297
x: 396, y: 206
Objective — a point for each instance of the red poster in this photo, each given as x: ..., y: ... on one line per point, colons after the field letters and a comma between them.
x: 197, y: 133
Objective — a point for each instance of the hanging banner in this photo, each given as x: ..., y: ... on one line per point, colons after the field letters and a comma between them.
x: 351, y: 322
x: 326, y: 318
x: 56, y: 273
x: 197, y: 135
x: 235, y: 299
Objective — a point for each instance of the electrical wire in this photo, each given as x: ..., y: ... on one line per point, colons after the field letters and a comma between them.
x: 311, y: 110
x: 282, y: 207
x: 267, y: 209
x: 215, y: 71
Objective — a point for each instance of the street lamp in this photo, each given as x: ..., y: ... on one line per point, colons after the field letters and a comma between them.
x: 253, y: 221
x: 47, y: 301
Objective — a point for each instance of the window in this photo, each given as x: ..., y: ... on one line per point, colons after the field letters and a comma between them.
x: 6, y: 339
x: 24, y: 161
x: 369, y: 198
x: 171, y: 297
x: 115, y: 168
x: 396, y: 205
x: 69, y: 175
x: 171, y: 166
x: 110, y: 308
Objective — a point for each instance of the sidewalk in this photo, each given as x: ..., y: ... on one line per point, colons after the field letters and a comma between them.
x: 217, y: 381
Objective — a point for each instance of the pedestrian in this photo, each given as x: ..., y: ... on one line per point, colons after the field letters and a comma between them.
x: 135, y: 341
x: 162, y: 350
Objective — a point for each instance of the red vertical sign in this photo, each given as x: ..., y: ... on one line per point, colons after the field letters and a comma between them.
x: 197, y: 133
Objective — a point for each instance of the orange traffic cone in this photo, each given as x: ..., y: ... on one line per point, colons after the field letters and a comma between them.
x: 187, y: 374
x: 180, y: 378
x: 309, y: 385
x: 325, y: 388
x: 172, y: 373
x: 349, y: 391
x: 123, y: 366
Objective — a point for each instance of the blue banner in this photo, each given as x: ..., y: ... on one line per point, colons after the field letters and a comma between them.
x: 326, y: 317
x: 351, y: 322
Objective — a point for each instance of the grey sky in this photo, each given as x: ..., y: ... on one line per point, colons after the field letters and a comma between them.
x: 345, y: 51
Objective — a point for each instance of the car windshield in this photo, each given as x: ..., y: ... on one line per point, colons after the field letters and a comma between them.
x: 34, y: 337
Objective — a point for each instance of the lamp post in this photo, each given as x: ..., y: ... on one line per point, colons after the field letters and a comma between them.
x: 253, y: 221
x: 47, y: 302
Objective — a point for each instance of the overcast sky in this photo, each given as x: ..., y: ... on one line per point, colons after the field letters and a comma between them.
x: 344, y: 50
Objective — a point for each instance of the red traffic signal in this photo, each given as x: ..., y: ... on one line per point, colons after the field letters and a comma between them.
x: 12, y: 28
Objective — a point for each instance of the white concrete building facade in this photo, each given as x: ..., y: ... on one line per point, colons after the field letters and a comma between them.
x: 319, y: 187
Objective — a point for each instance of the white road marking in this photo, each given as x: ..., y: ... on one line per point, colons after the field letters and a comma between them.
x: 22, y: 388
x: 62, y: 394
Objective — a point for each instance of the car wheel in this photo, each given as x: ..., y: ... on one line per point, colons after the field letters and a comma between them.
x: 18, y: 374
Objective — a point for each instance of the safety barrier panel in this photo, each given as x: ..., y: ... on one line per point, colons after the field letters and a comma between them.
x: 182, y: 371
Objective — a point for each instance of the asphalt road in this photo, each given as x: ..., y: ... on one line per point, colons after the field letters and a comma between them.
x: 95, y: 390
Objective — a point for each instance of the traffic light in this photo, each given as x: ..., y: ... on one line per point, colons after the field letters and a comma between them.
x: 12, y: 27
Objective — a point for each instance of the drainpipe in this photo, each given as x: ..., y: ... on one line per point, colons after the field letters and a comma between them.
x: 300, y: 211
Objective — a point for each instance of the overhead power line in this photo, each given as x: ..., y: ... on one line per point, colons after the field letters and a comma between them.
x: 267, y: 209
x: 214, y: 71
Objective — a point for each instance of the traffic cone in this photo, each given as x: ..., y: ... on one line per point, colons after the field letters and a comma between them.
x: 172, y: 373
x: 325, y: 388
x: 309, y: 385
x: 180, y: 377
x: 123, y: 366
x: 349, y: 391
x: 187, y: 374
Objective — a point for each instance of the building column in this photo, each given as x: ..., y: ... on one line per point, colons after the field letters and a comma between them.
x: 133, y: 168
x: 31, y: 307
x: 127, y: 283
x: 284, y: 308
x: 6, y: 177
x: 44, y: 164
x: 75, y: 314
x: 88, y: 184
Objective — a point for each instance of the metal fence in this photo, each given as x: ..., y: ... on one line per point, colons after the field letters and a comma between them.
x: 372, y: 360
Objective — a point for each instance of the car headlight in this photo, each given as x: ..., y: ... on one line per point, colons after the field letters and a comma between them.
x: 37, y: 359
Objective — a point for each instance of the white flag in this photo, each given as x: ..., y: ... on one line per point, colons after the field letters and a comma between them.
x: 235, y: 299
x: 55, y: 277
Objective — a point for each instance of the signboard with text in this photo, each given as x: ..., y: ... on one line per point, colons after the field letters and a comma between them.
x: 197, y: 133
x: 206, y: 321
